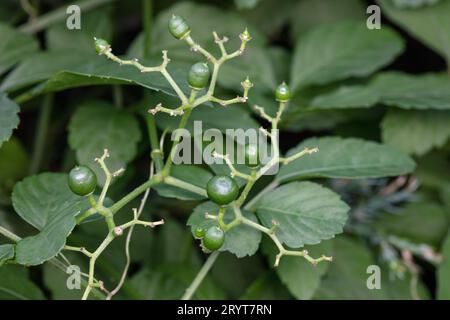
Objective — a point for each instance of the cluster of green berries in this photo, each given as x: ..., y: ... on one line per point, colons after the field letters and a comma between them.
x: 220, y: 189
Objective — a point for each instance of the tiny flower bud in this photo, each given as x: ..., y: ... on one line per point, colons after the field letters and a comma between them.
x: 101, y: 45
x: 245, y: 36
x: 178, y: 27
x: 283, y: 93
x: 118, y: 231
x: 247, y: 84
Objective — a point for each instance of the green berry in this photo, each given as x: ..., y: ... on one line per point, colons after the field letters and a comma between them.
x: 178, y: 27
x: 283, y: 93
x: 199, y: 233
x: 198, y: 76
x: 82, y: 180
x: 214, y: 239
x: 222, y: 189
x: 251, y: 155
x: 101, y: 45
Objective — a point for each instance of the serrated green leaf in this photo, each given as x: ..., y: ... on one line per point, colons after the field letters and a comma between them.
x: 429, y: 91
x: 306, y: 212
x: 241, y: 240
x: 345, y: 97
x: 342, y: 50
x: 298, y: 275
x: 6, y: 253
x: 96, y: 126
x: 428, y: 24
x: 45, y: 202
x: 418, y: 222
x: 55, y: 71
x: 194, y: 175
x: 416, y: 132
x: 16, y: 285
x: 14, y: 46
x: 345, y: 158
x: 9, y: 120
x: 443, y: 290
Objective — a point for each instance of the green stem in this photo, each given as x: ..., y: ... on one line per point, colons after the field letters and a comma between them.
x: 8, y: 234
x: 136, y: 192
x: 185, y: 186
x: 117, y: 96
x: 255, y: 199
x: 147, y: 20
x: 59, y: 15
x: 41, y: 134
x: 176, y: 140
x: 199, y: 278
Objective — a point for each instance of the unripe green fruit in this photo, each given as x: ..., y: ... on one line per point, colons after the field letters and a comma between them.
x: 251, y: 155
x: 283, y: 93
x: 198, y: 76
x: 82, y: 180
x: 199, y: 233
x: 222, y: 190
x: 178, y: 27
x: 214, y: 239
x: 101, y: 45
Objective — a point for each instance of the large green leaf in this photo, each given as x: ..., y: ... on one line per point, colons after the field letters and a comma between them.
x: 14, y: 46
x: 338, y: 51
x: 241, y: 240
x: 45, y: 202
x: 417, y: 222
x: 443, y: 291
x: 299, y: 276
x: 61, y: 70
x: 429, y: 91
x: 96, y: 126
x: 416, y: 132
x: 346, y: 158
x: 6, y: 253
x: 347, y: 276
x: 16, y: 285
x: 9, y: 120
x: 306, y: 212
x: 396, y: 89
x: 188, y: 173
x: 430, y: 25
x: 345, y: 97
